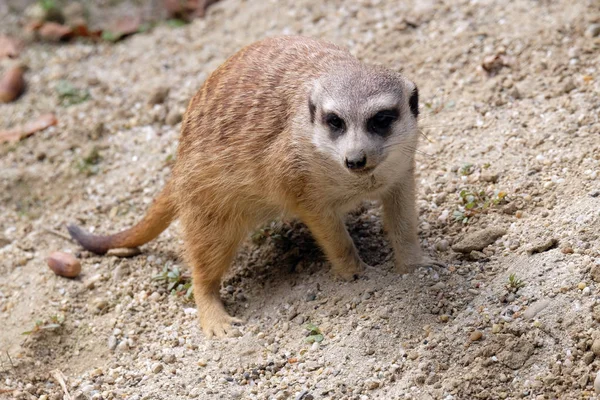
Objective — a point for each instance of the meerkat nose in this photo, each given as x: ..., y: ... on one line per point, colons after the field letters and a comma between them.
x: 356, y: 162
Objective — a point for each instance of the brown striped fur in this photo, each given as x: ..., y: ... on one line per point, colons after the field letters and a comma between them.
x: 249, y: 151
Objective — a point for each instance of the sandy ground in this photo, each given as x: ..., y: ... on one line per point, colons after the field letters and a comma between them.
x: 516, y: 150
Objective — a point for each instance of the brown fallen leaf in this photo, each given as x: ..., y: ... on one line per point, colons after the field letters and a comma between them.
x: 12, y: 84
x: 54, y: 32
x: 82, y: 30
x: 187, y: 9
x: 20, y: 132
x: 10, y: 47
x: 122, y: 27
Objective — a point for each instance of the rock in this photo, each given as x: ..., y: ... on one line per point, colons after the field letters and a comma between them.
x: 488, y: 177
x: 597, y: 382
x: 568, y: 86
x: 442, y: 245
x: 112, y: 342
x: 516, y: 353
x: 4, y: 241
x: 596, y: 347
x: 475, y: 336
x: 592, y: 31
x: 124, y: 252
x: 64, y: 264
x: 169, y: 358
x: 371, y: 384
x: 478, y: 240
x: 535, y: 308
x: 173, y: 117
x: 543, y: 245
x: 123, y: 345
x: 99, y: 304
x: 155, y: 296
x: 120, y: 272
x: 156, y: 368
x: 202, y: 362
x: 159, y: 95
x: 595, y: 272
x: 588, y: 358
x: 438, y: 286
x: 444, y: 318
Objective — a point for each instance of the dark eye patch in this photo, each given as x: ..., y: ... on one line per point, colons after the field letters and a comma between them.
x: 381, y: 123
x: 335, y: 123
x: 413, y: 102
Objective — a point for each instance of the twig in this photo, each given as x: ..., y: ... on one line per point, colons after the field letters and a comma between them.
x: 59, y: 234
x: 60, y: 378
x: 11, y: 363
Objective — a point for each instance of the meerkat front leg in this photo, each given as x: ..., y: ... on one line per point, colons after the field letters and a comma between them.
x: 329, y: 230
x: 400, y: 219
x: 209, y: 251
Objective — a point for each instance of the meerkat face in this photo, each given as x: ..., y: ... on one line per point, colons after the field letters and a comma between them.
x: 365, y: 120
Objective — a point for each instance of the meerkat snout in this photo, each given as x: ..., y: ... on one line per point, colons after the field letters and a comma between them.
x: 356, y: 162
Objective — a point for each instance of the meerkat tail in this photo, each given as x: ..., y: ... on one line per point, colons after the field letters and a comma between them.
x: 157, y: 219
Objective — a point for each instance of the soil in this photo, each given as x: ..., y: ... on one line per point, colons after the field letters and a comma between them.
x: 509, y: 200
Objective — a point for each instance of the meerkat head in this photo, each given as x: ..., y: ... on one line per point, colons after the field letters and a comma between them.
x: 364, y: 117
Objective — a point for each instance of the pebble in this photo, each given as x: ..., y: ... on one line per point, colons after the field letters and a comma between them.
x: 444, y: 318
x: 475, y: 336
x: 173, y: 117
x: 123, y: 345
x: 372, y: 384
x: 596, y: 347
x: 592, y: 31
x: 496, y: 328
x: 478, y: 240
x: 112, y: 342
x: 581, y: 285
x: 595, y: 272
x: 154, y: 296
x: 535, y: 308
x: 156, y: 368
x: 124, y: 252
x: 586, y: 291
x: 159, y: 95
x: 202, y: 362
x: 597, y: 382
x: 543, y: 245
x: 442, y: 245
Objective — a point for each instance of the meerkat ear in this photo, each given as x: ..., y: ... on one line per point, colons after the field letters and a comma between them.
x: 413, y: 102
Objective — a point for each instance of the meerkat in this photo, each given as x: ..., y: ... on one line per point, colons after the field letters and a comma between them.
x: 286, y: 126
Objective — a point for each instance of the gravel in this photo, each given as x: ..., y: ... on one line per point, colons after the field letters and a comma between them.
x: 520, y: 142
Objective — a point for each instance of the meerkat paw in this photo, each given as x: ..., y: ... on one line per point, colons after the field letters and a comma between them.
x: 409, y: 266
x: 350, y: 273
x: 219, y: 326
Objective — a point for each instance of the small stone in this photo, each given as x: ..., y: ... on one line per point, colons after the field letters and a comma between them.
x: 438, y: 286
x: 371, y: 384
x: 442, y: 245
x: 123, y: 345
x: 586, y: 291
x: 100, y: 304
x: 112, y: 342
x: 592, y: 31
x: 475, y: 336
x: 444, y: 318
x: 597, y: 382
x: 173, y: 117
x: 588, y: 358
x: 202, y: 362
x: 124, y: 252
x: 159, y: 95
x: 568, y: 86
x: 156, y: 368
x: 581, y: 285
x: 595, y: 272
x: 413, y: 355
x: 596, y: 347
x: 543, y: 245
x: 535, y: 308
x: 169, y: 358
x: 488, y: 177
x: 155, y: 296
x: 496, y: 328
x: 64, y: 264
x: 477, y: 241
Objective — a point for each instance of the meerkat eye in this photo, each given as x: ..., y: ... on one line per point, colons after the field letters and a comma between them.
x: 335, y: 123
x: 381, y: 122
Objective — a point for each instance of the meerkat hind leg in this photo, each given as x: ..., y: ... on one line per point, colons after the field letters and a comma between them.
x: 210, y: 252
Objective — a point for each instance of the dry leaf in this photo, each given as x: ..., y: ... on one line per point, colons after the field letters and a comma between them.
x: 122, y: 27
x: 21, y: 132
x: 10, y: 47
x: 12, y: 85
x: 54, y: 32
x: 186, y: 9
